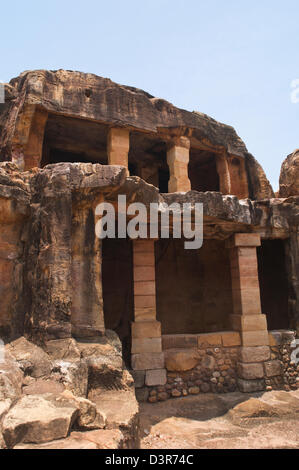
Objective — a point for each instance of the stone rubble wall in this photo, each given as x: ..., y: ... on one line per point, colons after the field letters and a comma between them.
x: 209, y: 363
x: 282, y: 348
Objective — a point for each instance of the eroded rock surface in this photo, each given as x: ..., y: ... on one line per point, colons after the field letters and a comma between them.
x: 235, y: 421
x: 289, y: 176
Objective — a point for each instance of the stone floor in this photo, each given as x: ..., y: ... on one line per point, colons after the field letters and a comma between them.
x: 230, y: 421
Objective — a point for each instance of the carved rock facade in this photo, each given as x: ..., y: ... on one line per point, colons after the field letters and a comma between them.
x: 189, y: 321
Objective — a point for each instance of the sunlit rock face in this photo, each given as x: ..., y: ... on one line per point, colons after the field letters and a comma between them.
x: 289, y: 176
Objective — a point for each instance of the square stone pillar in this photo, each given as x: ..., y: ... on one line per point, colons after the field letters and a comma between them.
x: 247, y: 317
x: 178, y: 160
x: 147, y: 355
x: 223, y: 173
x: 118, y: 146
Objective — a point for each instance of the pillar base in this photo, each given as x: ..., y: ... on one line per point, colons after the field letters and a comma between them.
x: 248, y: 386
x: 147, y: 361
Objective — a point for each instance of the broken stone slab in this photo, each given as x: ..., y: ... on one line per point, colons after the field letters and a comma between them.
x: 89, y: 417
x: 101, y: 439
x: 41, y: 386
x: 39, y: 418
x: 122, y: 412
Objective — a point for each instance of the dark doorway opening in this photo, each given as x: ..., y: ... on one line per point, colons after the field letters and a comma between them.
x: 202, y: 171
x: 193, y: 287
x: 74, y: 140
x: 163, y: 180
x: 147, y: 159
x: 118, y: 299
x: 273, y: 283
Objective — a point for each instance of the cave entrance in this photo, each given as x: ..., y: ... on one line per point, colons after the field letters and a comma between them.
x: 273, y: 283
x: 118, y: 299
x: 193, y: 287
x: 74, y: 140
x: 202, y: 171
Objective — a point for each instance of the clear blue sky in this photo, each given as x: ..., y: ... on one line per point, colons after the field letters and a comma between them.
x: 234, y: 60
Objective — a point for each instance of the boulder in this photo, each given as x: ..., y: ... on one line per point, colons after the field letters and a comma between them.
x: 11, y: 378
x: 181, y: 360
x: 285, y: 403
x: 39, y: 418
x: 252, y: 408
x: 89, y: 416
x: 121, y: 409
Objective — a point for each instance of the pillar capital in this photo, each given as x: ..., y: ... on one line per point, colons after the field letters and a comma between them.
x: 244, y: 240
x: 179, y: 141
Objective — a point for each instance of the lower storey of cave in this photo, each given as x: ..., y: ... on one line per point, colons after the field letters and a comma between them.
x: 197, y: 321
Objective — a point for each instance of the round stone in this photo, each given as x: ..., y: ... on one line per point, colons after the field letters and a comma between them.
x: 152, y: 399
x: 162, y: 396
x: 205, y: 388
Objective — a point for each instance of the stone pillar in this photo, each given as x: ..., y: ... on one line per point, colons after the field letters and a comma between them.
x: 178, y: 160
x: 34, y: 148
x: 87, y: 315
x: 147, y: 355
x: 118, y: 146
x: 247, y: 317
x: 27, y: 142
x: 223, y: 173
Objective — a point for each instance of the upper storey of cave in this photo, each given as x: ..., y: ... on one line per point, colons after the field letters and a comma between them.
x: 65, y: 116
